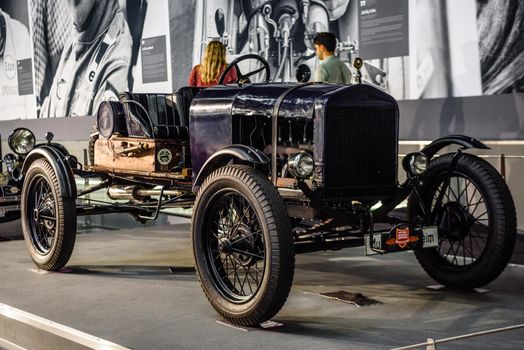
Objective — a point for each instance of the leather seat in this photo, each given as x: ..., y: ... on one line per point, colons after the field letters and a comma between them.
x: 163, y: 116
x: 183, y: 98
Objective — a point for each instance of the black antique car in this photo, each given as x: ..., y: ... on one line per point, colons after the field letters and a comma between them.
x: 272, y: 170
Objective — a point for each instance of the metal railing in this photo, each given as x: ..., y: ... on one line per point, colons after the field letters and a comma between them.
x: 431, y: 344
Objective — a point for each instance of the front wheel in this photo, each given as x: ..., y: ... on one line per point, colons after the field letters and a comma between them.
x: 242, y: 245
x: 476, y: 222
x: 48, y: 217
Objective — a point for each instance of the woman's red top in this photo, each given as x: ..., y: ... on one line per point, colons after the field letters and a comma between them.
x: 195, y: 79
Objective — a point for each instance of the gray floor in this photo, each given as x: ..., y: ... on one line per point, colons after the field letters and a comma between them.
x: 119, y: 287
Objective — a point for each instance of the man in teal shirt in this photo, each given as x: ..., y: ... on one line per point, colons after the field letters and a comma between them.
x: 331, y: 69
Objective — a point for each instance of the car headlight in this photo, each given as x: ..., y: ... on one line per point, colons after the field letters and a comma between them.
x: 301, y: 165
x: 110, y: 119
x: 21, y: 141
x: 415, y: 163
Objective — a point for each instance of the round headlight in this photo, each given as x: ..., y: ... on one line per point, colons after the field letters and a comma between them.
x: 301, y: 165
x: 21, y: 141
x: 415, y: 163
x: 110, y: 119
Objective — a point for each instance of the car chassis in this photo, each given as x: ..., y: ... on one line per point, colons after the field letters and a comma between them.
x: 325, y: 180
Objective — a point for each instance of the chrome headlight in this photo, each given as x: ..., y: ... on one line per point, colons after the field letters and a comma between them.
x: 21, y: 141
x: 110, y: 119
x: 415, y: 163
x: 301, y: 165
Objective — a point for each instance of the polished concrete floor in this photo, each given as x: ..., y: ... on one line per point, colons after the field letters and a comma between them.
x: 136, y: 287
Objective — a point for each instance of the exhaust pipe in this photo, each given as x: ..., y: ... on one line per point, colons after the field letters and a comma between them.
x: 137, y: 193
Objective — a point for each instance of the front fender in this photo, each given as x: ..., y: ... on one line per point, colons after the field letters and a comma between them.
x: 59, y: 164
x: 241, y: 153
x: 462, y: 140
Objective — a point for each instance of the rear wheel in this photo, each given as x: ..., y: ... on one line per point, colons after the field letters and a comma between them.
x: 476, y: 222
x: 48, y: 217
x: 242, y: 245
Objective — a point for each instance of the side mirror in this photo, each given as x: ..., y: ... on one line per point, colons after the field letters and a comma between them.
x: 303, y: 73
x: 220, y: 22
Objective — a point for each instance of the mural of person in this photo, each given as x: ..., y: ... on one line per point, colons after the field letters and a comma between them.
x: 95, y: 64
x: 15, y: 46
x: 51, y: 32
x: 501, y: 45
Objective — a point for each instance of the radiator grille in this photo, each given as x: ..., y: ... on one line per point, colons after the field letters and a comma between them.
x: 360, y: 151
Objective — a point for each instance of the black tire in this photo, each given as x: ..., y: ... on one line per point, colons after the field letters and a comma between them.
x: 255, y: 247
x: 48, y: 217
x: 476, y: 224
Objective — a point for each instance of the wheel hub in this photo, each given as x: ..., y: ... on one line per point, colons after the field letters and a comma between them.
x: 225, y: 246
x: 241, y: 244
x: 455, y: 221
x: 41, y: 215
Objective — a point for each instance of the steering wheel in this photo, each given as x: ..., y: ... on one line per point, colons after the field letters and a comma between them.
x: 241, y: 77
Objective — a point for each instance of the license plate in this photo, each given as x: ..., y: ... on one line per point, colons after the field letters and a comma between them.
x: 430, y: 237
x: 400, y: 238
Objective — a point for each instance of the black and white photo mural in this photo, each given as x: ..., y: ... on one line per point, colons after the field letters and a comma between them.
x: 447, y: 59
x: 16, y: 61
x: 280, y: 31
x: 90, y: 51
x: 412, y: 48
x: 501, y: 45
x: 61, y: 58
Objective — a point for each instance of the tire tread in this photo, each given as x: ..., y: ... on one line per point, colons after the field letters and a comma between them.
x: 282, y: 249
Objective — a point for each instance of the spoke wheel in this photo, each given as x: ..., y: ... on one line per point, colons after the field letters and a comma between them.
x: 48, y: 219
x: 243, y: 245
x: 42, y: 212
x: 476, y: 222
x: 234, y: 246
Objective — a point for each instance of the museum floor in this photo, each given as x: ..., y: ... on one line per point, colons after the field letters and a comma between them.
x: 135, y: 287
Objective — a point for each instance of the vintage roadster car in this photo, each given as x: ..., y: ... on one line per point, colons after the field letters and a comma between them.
x: 272, y: 170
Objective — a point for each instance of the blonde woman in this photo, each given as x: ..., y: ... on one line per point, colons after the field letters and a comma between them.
x: 213, y: 64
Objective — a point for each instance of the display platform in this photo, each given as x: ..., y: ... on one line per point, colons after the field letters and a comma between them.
x: 135, y: 287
